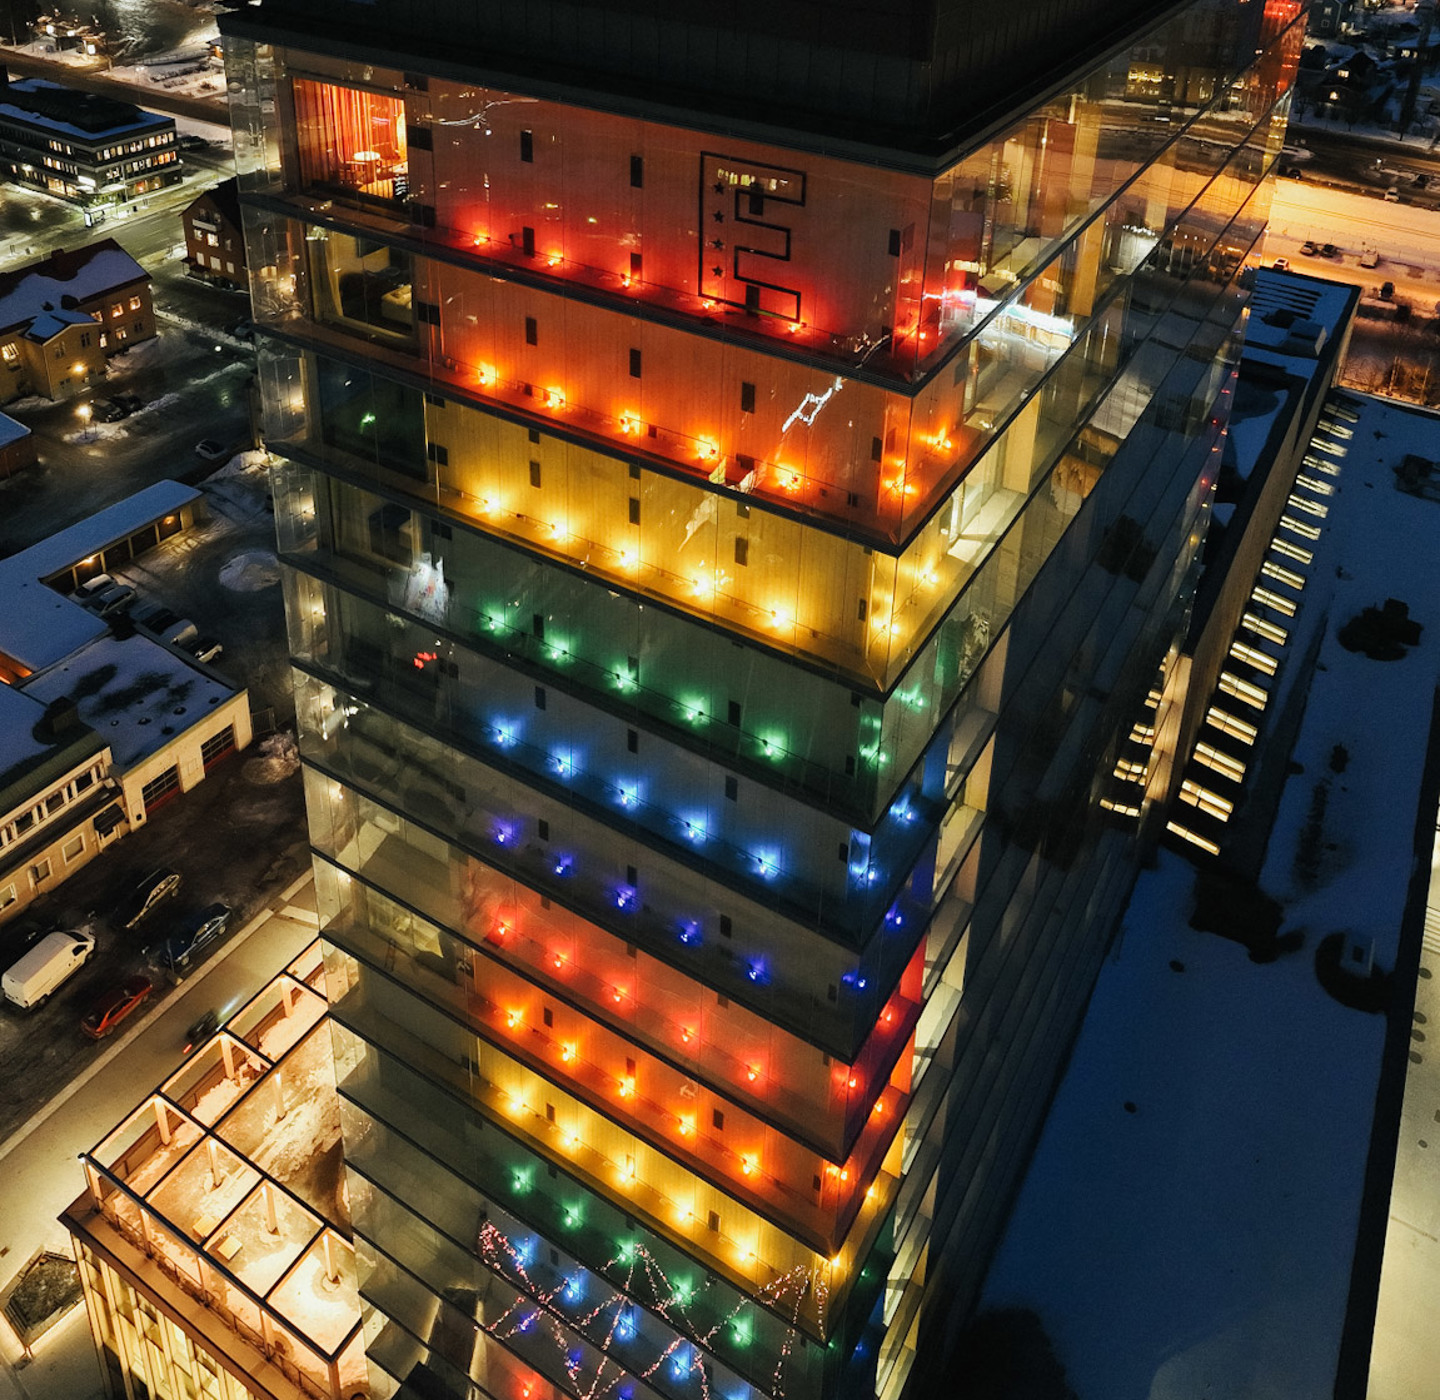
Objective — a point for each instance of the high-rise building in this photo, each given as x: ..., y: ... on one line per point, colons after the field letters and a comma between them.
x: 744, y: 474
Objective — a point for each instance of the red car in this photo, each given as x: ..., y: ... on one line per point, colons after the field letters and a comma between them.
x: 115, y: 1006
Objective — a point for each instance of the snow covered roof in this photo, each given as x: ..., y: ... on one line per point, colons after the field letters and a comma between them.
x: 49, y: 324
x: 29, y: 755
x: 38, y: 626
x: 135, y: 693
x: 83, y: 116
x: 78, y: 275
x: 1189, y: 1219
x: 11, y: 431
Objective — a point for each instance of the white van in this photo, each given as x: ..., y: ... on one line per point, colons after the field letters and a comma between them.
x: 31, y: 980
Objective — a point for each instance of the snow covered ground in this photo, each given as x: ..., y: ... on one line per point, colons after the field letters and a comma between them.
x: 1187, y: 1225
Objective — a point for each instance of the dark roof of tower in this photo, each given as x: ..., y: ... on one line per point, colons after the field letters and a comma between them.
x: 905, y: 74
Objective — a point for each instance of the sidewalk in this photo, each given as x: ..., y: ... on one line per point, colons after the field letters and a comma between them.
x: 38, y: 1163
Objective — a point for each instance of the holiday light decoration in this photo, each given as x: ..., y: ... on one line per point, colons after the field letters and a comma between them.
x: 610, y: 1323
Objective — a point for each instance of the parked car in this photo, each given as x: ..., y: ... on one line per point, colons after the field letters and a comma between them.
x: 188, y: 141
x: 21, y: 935
x: 203, y: 648
x: 157, y: 885
x: 178, y: 632
x: 1308, y: 249
x: 1387, y: 290
x: 243, y: 330
x: 154, y: 618
x: 208, y: 450
x: 1329, y: 250
x: 119, y: 406
x: 1392, y: 195
x: 1369, y: 258
x: 1281, y: 264
x: 103, y: 595
x: 112, y: 1008
x: 197, y: 934
x: 30, y: 981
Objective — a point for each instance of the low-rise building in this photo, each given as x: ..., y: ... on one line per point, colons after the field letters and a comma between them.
x: 214, y: 242
x: 61, y: 318
x: 17, y: 446
x: 82, y: 146
x: 99, y: 724
x: 59, y: 804
x: 213, y: 1236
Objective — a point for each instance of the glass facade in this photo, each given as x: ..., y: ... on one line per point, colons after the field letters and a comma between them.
x: 720, y: 577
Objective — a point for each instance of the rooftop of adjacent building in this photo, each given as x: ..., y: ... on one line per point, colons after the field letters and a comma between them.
x: 39, y: 626
x: 83, y: 116
x: 137, y: 694
x: 64, y: 279
x: 225, y: 197
x: 905, y: 75
x: 1191, y: 1215
x: 11, y: 431
x: 37, y: 745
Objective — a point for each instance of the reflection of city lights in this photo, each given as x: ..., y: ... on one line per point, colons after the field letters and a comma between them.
x: 811, y: 405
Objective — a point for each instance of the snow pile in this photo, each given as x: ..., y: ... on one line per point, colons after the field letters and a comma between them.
x: 278, y: 758
x: 250, y: 571
x: 242, y: 464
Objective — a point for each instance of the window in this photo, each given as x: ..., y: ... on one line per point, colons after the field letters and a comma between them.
x: 9, y: 353
x: 637, y: 172
x: 634, y: 364
x: 717, y: 1117
x: 83, y: 781
x: 212, y: 240
x: 632, y: 740
x: 54, y: 803
x: 116, y: 310
x: 527, y: 145
x: 84, y: 340
x: 73, y: 849
x: 732, y: 789
x: 39, y: 873
x: 634, y: 511
x: 742, y: 550
x: 733, y: 714
x: 534, y: 472
x: 7, y: 896
x: 747, y: 398
x: 532, y: 331
x: 437, y: 454
x: 539, y: 697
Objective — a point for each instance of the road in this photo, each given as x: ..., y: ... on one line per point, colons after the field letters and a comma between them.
x: 38, y: 1165
x: 25, y: 65
x: 1406, y: 237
